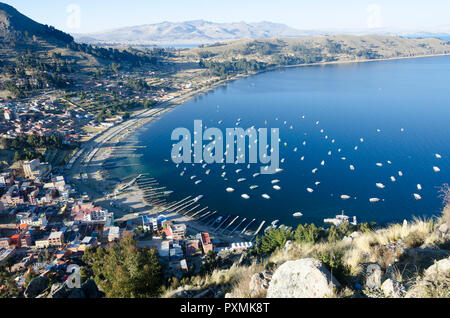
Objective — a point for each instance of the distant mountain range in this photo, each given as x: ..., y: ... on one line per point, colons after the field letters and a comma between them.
x: 205, y: 32
x: 192, y: 33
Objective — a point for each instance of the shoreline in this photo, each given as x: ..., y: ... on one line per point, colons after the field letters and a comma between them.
x: 107, y: 143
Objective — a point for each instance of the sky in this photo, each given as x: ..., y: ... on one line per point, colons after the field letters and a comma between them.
x: 85, y: 16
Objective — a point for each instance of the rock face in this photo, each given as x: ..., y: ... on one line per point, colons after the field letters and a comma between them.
x: 304, y: 278
x: 36, y: 287
x: 373, y: 276
x: 259, y: 283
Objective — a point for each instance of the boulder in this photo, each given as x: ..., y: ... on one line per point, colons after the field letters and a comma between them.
x: 392, y: 288
x: 441, y: 267
x: 288, y: 246
x: 36, y: 287
x: 443, y: 228
x: 304, y: 278
x: 347, y: 240
x: 373, y: 276
x: 259, y: 283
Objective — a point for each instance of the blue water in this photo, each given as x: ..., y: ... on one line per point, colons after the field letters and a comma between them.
x: 351, y: 102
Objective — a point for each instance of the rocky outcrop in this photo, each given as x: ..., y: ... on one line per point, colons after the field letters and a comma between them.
x: 36, y: 287
x: 259, y: 283
x: 304, y: 278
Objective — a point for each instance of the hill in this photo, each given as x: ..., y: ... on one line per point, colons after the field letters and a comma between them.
x: 16, y: 27
x: 190, y: 32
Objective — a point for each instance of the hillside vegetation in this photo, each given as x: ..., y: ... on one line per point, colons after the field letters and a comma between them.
x: 221, y: 57
x: 400, y: 260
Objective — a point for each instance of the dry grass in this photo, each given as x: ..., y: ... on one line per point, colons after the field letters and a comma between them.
x: 437, y: 287
x: 384, y: 247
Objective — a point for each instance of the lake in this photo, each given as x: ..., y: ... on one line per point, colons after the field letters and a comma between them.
x: 395, y: 112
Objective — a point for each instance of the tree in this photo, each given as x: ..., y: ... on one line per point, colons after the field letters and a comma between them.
x: 125, y: 271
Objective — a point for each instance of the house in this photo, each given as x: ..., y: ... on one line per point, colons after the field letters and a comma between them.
x: 149, y: 224
x: 206, y: 243
x: 192, y: 248
x: 179, y: 231
x: 42, y: 243
x: 114, y: 234
x: 87, y: 213
x: 35, y: 169
x: 56, y: 239
x: 4, y: 242
x: 35, y: 220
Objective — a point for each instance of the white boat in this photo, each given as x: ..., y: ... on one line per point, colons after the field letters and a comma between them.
x: 317, y: 183
x: 400, y: 174
x: 389, y: 162
x: 352, y: 167
x: 208, y: 172
x: 266, y: 196
x: 224, y: 174
x: 419, y: 187
x: 314, y: 170
x: 277, y: 170
x: 417, y: 196
x: 345, y: 197
x: 277, y: 187
x: 309, y: 190
x: 242, y: 180
x: 361, y: 139
x: 302, y: 158
x: 393, y: 179
x: 253, y: 187
x: 245, y: 196
x: 198, y: 198
x: 255, y: 175
x: 297, y: 214
x: 198, y: 181
x: 438, y: 156
x: 275, y: 181
x: 379, y: 164
x: 322, y: 163
x: 193, y: 177
x: 436, y: 169
x: 380, y: 185
x: 182, y: 173
x: 238, y: 170
x: 275, y: 222
x: 230, y: 190
x: 374, y: 200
